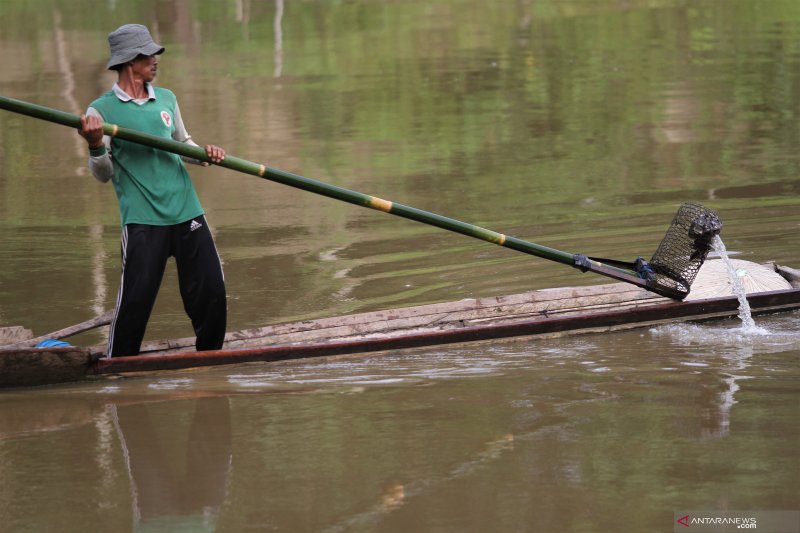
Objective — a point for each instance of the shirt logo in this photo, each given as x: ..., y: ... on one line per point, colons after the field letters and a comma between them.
x: 166, y: 119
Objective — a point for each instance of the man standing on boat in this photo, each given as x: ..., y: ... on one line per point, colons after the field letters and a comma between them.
x: 160, y: 212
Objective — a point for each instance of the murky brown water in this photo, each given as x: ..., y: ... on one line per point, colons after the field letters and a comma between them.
x: 577, y: 125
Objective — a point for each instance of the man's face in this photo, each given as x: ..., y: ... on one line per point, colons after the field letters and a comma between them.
x: 145, y: 67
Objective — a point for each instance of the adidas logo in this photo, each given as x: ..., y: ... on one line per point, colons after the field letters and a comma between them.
x: 195, y: 225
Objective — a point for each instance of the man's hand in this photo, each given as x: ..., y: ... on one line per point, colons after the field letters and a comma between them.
x: 215, y: 153
x: 92, y: 130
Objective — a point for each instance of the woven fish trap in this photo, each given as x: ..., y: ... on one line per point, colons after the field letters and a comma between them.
x: 685, y: 246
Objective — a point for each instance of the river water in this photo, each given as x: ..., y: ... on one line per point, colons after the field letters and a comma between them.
x: 577, y: 125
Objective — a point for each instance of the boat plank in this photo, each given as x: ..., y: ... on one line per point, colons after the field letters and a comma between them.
x: 563, y: 301
x: 523, y: 307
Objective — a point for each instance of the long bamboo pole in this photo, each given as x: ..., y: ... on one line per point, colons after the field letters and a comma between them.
x: 346, y: 195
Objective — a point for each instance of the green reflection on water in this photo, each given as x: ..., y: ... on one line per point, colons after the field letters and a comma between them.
x: 579, y: 126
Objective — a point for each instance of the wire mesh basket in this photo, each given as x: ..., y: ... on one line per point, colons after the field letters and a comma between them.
x: 684, y: 248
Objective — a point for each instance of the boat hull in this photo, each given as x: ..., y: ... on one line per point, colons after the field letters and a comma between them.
x: 27, y: 367
x: 541, y: 313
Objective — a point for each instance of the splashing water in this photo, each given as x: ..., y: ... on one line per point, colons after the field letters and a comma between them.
x: 748, y: 324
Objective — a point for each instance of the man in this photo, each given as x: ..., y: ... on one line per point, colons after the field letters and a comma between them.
x: 160, y: 212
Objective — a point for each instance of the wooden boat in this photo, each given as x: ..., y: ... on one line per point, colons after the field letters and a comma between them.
x: 670, y: 272
x: 546, y: 312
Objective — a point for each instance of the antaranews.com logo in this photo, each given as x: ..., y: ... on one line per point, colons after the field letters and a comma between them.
x: 726, y: 521
x: 741, y: 522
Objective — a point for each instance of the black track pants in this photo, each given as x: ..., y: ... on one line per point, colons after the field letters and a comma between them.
x: 145, y: 250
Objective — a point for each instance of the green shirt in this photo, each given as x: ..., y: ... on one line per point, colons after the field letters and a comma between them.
x: 152, y: 186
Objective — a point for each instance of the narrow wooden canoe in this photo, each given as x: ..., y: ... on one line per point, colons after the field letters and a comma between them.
x: 546, y: 312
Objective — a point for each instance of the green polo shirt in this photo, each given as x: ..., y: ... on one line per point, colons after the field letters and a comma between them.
x: 152, y: 186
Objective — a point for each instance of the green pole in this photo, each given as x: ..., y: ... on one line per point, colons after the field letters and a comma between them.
x: 332, y: 191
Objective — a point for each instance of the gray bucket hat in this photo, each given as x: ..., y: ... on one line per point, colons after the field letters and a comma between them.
x: 128, y: 41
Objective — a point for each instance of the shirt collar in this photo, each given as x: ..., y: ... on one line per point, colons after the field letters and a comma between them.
x: 125, y: 97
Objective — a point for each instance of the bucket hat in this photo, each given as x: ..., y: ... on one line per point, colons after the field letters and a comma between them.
x: 128, y: 41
